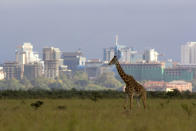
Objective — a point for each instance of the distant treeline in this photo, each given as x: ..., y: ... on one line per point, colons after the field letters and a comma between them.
x: 94, y: 95
x: 78, y: 80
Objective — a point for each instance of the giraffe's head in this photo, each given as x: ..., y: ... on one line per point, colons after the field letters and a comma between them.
x: 113, y: 61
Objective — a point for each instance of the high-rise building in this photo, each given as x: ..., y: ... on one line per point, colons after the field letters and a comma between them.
x: 51, y: 53
x: 25, y: 54
x: 2, y: 74
x: 74, y: 60
x: 12, y: 70
x: 51, y: 68
x: 33, y: 70
x: 52, y: 61
x: 122, y: 52
x: 108, y: 53
x: 136, y: 57
x: 150, y: 55
x: 188, y: 53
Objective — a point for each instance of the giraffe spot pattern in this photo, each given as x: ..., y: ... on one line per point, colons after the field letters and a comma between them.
x: 131, y: 84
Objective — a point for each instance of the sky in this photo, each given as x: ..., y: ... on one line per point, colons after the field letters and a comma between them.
x: 91, y: 25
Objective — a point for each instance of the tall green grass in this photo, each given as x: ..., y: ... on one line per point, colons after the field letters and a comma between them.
x: 102, y: 115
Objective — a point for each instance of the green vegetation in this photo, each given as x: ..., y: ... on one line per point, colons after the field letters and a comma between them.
x: 83, y: 94
x: 108, y: 80
x: 78, y: 80
x: 101, y: 115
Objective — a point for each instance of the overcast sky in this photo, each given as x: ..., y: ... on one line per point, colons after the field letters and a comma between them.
x: 92, y: 25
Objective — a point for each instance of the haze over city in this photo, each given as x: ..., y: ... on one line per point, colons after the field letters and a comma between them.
x: 92, y: 26
x: 104, y: 65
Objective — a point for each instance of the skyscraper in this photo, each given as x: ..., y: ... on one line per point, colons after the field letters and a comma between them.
x: 150, y: 55
x: 51, y: 53
x: 122, y: 52
x: 52, y: 61
x: 108, y: 53
x: 188, y: 53
x: 25, y: 54
x: 33, y: 71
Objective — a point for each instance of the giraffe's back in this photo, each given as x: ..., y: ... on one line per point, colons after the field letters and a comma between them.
x: 135, y: 86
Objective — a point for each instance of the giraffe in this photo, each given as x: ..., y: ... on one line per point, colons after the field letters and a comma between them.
x: 132, y: 86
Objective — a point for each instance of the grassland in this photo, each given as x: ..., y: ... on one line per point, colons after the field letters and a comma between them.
x: 103, y: 115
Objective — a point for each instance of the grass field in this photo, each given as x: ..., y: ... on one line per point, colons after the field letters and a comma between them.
x: 103, y: 115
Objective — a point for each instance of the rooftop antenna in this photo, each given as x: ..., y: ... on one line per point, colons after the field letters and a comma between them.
x: 116, y: 40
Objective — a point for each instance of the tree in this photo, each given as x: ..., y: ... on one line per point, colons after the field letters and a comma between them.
x: 41, y: 83
x: 67, y: 83
x: 80, y: 79
x: 2, y: 85
x: 26, y: 83
x: 57, y: 85
x: 13, y: 84
x: 108, y: 80
x: 80, y: 75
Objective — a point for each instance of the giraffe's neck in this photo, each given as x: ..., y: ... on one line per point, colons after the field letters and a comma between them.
x: 121, y: 72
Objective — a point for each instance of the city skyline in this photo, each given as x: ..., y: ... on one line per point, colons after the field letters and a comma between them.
x: 92, y: 26
x: 39, y: 54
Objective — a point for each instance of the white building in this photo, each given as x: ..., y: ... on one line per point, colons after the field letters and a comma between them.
x: 188, y: 53
x: 179, y: 85
x: 168, y: 86
x: 25, y: 54
x: 151, y: 55
x: 2, y: 74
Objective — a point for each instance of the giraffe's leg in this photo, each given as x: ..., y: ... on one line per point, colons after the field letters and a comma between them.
x: 131, y: 99
x: 144, y: 99
x: 138, y: 101
x: 126, y: 101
